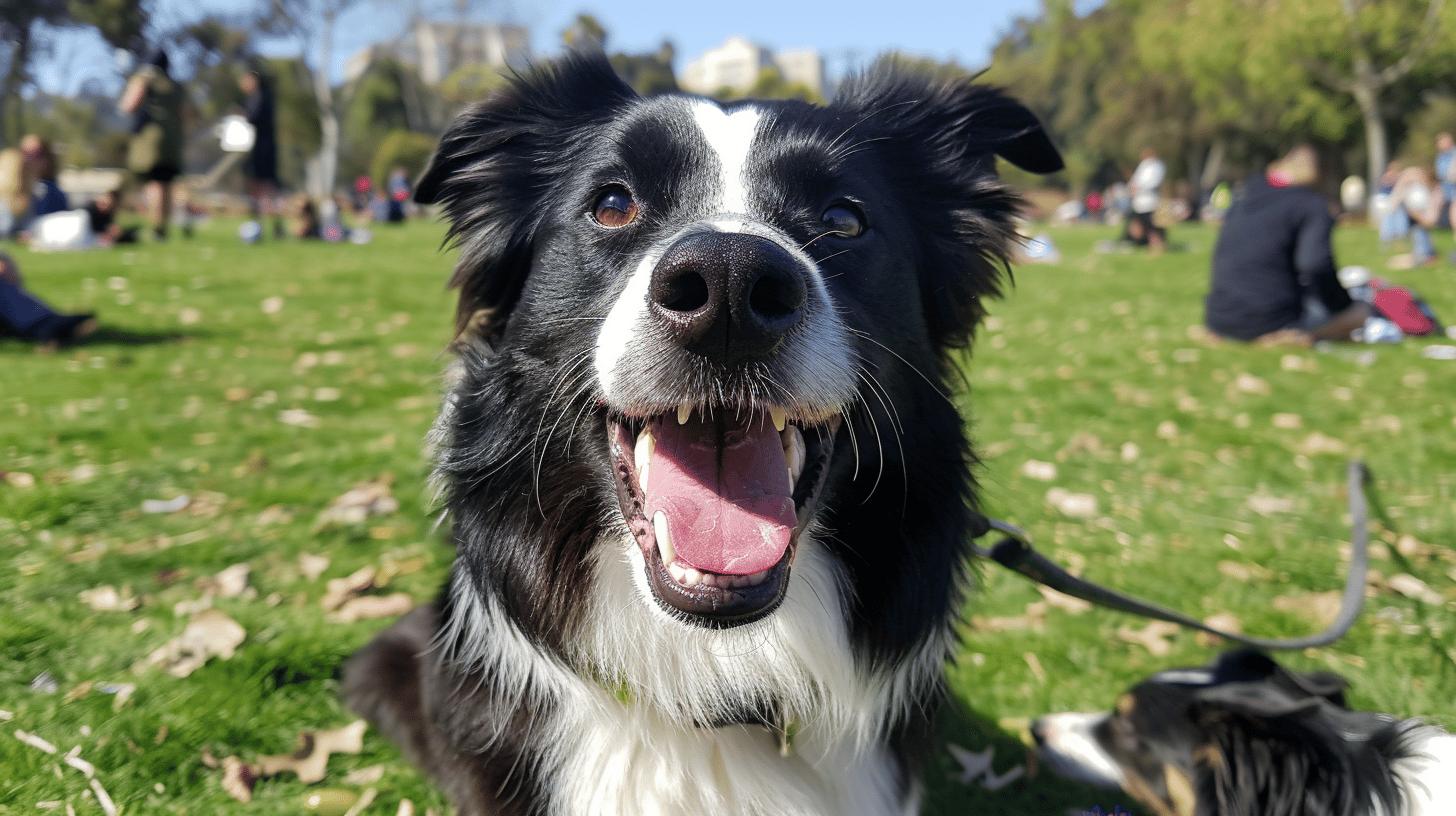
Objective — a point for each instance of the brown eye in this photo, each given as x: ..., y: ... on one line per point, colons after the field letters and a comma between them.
x: 845, y: 220
x: 615, y: 207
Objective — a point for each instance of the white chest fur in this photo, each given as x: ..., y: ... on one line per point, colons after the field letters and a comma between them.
x: 599, y: 756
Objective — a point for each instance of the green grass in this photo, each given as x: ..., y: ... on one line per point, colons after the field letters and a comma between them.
x: 184, y: 391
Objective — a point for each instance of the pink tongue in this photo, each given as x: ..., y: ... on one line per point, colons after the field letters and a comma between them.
x: 725, y: 489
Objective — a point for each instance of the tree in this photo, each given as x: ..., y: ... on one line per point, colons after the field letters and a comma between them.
x: 586, y: 33
x: 648, y: 74
x: 122, y: 23
x: 312, y: 23
x: 20, y: 21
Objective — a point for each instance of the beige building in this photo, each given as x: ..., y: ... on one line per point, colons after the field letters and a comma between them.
x: 737, y: 62
x: 436, y: 49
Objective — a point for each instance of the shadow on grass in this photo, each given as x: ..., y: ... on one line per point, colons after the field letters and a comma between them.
x: 1038, y: 794
x: 104, y: 336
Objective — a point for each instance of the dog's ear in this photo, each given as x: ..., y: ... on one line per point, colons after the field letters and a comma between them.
x: 495, y: 166
x: 945, y: 135
x: 1251, y: 666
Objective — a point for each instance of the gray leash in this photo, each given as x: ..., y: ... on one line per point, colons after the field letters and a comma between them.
x: 1015, y: 552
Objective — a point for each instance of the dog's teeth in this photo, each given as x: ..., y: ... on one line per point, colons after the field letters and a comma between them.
x: 664, y: 540
x: 691, y: 577
x: 684, y: 413
x: 755, y: 579
x: 642, y: 455
x: 780, y: 418
x: 795, y: 454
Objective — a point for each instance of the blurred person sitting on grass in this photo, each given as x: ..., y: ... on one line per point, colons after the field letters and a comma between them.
x: 102, y: 212
x: 40, y: 169
x: 1274, y: 269
x: 23, y: 315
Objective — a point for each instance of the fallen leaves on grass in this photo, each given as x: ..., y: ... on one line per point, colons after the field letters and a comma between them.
x: 230, y: 583
x: 298, y: 418
x: 1287, y: 422
x: 1072, y: 505
x: 1039, y: 470
x: 360, y: 502
x: 1239, y: 571
x: 1415, y: 589
x: 1224, y: 621
x: 1066, y: 603
x: 210, y: 634
x: 1318, y: 607
x: 17, y: 479
x: 158, y: 507
x: 312, y: 566
x: 1317, y: 444
x: 1266, y: 505
x: 309, y: 762
x: 345, y: 601
x: 1156, y: 637
x: 1249, y: 384
x: 107, y: 598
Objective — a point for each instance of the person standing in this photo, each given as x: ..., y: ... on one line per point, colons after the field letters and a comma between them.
x: 154, y: 152
x: 1145, y: 184
x: 1446, y: 177
x: 260, y: 170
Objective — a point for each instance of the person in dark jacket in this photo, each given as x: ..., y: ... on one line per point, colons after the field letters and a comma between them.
x: 1273, y: 267
x: 25, y: 316
x: 154, y: 151
x: 261, y: 167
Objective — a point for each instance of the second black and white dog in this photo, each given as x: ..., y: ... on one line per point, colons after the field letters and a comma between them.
x: 709, y: 497
x: 1247, y: 737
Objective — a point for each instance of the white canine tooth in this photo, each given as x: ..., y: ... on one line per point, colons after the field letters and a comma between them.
x: 664, y: 540
x: 642, y: 454
x: 684, y: 413
x: 795, y: 453
x: 780, y: 418
x: 677, y: 571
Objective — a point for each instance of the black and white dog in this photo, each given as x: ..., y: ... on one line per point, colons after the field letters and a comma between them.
x: 709, y: 497
x: 1247, y: 737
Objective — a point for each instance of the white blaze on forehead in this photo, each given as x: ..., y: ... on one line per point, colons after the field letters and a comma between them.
x: 730, y: 136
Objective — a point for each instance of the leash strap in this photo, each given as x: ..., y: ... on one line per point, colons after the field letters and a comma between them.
x: 1015, y: 552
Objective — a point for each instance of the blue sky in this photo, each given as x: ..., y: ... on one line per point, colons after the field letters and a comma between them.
x: 847, y: 32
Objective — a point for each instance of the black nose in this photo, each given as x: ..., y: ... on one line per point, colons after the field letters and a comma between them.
x: 729, y: 297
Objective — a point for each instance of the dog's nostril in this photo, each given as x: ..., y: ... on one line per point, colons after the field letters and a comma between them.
x: 774, y: 297
x: 685, y: 292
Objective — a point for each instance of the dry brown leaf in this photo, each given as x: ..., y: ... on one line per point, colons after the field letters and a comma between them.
x: 230, y: 583
x: 311, y: 760
x: 1319, y: 607
x: 1039, y: 470
x: 107, y: 598
x: 1288, y: 422
x: 339, y: 590
x: 367, y: 607
x: 1066, y: 603
x: 365, y: 776
x: 1156, y: 637
x: 298, y: 418
x: 1267, y: 505
x: 209, y: 634
x: 1249, y: 384
x: 1240, y: 571
x: 17, y: 479
x: 1415, y: 589
x: 312, y: 566
x: 1317, y: 444
x: 360, y: 502
x: 1225, y: 621
x: 406, y: 808
x: 238, y: 779
x: 1072, y: 505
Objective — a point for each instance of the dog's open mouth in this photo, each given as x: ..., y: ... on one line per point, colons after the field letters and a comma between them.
x: 716, y: 502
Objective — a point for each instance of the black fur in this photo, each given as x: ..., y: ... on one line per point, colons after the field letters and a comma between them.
x: 528, y: 475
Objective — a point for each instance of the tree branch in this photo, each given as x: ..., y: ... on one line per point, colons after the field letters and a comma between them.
x: 1431, y: 27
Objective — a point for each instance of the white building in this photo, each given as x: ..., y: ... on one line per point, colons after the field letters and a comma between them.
x: 436, y: 49
x: 737, y: 62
